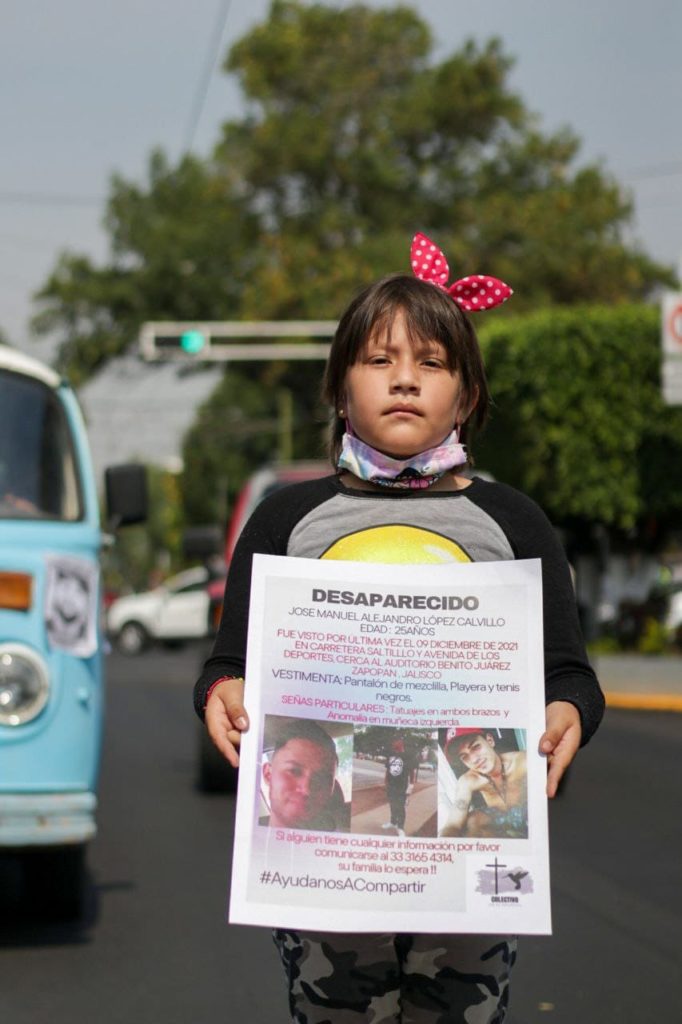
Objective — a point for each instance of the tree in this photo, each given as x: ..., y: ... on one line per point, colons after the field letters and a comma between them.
x: 180, y: 249
x: 239, y: 428
x: 353, y: 138
x: 143, y: 552
x: 579, y: 422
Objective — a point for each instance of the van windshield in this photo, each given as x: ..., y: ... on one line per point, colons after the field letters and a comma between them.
x: 38, y: 475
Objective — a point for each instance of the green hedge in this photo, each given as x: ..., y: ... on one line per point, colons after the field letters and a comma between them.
x: 578, y: 420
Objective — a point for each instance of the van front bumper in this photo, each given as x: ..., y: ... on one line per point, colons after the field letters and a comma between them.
x: 46, y: 819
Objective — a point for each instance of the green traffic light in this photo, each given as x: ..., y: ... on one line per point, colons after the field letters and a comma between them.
x: 192, y: 342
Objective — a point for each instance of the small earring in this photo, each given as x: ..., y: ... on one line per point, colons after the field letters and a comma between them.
x: 341, y: 413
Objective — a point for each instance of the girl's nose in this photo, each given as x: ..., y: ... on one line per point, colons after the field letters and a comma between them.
x: 405, y: 376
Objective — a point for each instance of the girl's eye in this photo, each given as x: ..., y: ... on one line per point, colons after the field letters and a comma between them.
x: 378, y: 360
x: 433, y: 362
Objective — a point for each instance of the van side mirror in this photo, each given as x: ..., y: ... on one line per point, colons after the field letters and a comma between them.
x: 126, y: 497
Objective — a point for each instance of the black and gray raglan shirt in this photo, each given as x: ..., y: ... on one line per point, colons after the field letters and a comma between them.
x: 481, y: 523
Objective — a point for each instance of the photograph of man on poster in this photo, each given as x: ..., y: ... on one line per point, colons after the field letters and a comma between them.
x: 399, y: 781
x: 306, y: 774
x: 394, y: 781
x: 482, y: 783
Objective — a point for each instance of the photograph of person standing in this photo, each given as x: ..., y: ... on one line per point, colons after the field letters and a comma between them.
x: 400, y: 773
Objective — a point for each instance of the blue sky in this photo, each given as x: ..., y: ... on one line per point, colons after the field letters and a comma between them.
x: 88, y: 88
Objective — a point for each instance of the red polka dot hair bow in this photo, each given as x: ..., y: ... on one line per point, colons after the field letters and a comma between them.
x: 473, y: 293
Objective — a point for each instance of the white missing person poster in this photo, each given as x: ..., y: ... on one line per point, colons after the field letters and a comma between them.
x: 390, y: 779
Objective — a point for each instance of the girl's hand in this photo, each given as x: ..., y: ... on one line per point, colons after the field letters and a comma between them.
x: 560, y: 741
x: 226, y: 718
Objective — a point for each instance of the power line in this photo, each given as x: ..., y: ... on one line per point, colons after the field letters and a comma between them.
x: 63, y: 199
x: 22, y: 241
x: 666, y: 168
x: 49, y: 199
x: 207, y: 71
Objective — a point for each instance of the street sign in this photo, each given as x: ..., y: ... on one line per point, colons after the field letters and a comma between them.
x: 222, y: 340
x: 671, y: 347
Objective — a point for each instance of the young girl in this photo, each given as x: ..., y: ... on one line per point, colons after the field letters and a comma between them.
x: 405, y: 380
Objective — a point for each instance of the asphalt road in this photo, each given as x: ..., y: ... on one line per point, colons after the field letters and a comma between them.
x: 153, y: 948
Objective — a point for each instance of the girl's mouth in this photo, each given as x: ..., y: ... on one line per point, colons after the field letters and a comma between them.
x: 408, y: 410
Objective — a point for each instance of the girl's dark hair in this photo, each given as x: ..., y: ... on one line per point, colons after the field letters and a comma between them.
x: 430, y: 315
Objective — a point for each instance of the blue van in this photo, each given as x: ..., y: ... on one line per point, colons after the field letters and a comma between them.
x: 51, y: 651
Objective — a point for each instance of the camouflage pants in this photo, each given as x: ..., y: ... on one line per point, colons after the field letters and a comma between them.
x: 396, y: 979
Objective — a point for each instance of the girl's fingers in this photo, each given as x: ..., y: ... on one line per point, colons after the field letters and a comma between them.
x: 560, y: 741
x: 226, y: 746
x: 559, y: 759
x: 226, y: 718
x: 237, y: 715
x: 561, y: 719
x: 231, y: 694
x: 549, y: 739
x: 558, y: 763
x: 220, y: 731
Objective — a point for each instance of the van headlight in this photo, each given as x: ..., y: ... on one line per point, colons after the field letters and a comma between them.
x: 24, y: 684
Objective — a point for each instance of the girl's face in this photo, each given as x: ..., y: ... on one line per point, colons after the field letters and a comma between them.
x: 399, y: 398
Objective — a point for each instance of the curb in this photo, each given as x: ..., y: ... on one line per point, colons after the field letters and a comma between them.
x: 644, y: 701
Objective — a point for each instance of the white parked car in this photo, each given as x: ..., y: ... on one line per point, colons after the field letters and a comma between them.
x: 178, y: 610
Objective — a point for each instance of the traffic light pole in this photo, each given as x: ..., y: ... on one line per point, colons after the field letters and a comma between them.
x: 220, y: 341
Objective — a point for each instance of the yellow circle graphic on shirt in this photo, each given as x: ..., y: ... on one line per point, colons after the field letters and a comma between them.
x: 396, y: 545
